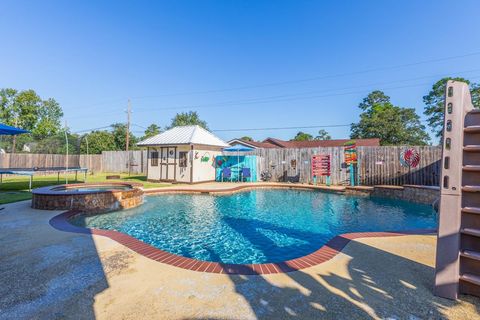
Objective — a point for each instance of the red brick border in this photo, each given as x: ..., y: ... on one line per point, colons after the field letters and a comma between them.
x: 246, y: 187
x: 325, y: 253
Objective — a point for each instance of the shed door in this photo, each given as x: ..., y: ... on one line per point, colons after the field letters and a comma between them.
x: 168, y: 163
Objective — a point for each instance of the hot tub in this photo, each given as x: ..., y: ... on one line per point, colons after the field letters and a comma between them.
x: 88, y: 197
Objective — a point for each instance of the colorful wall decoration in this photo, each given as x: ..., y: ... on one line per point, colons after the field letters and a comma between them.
x: 409, y: 158
x: 321, y: 167
x: 350, y: 151
x: 205, y: 157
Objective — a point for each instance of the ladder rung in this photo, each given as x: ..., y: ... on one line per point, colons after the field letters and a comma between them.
x: 471, y: 168
x: 471, y: 188
x: 471, y: 231
x: 470, y: 254
x: 471, y: 210
x: 472, y: 129
x: 471, y: 278
x: 472, y: 148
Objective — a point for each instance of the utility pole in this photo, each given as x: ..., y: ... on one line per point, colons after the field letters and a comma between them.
x: 66, y: 153
x: 127, y: 140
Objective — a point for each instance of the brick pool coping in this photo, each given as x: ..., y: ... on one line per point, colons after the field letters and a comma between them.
x: 242, y: 187
x: 325, y: 253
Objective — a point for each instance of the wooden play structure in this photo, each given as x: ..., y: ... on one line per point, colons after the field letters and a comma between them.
x: 458, y: 246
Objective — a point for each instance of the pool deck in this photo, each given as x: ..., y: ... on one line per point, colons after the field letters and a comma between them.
x: 52, y: 274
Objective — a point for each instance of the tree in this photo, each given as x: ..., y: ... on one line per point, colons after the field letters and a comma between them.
x: 302, y: 136
x: 435, y: 100
x: 393, y: 125
x: 49, y: 115
x: 56, y: 144
x: 25, y: 109
x: 119, y: 132
x: 152, y: 130
x: 188, y: 119
x: 323, y: 135
x: 376, y: 97
x: 98, y: 141
x: 246, y: 138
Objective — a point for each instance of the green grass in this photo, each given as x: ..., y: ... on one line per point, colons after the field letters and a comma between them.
x: 15, y: 188
x: 14, y: 196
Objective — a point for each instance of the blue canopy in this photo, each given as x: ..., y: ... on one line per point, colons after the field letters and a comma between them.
x: 238, y: 148
x: 8, y: 130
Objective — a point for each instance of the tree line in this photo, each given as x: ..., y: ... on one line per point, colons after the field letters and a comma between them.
x: 395, y: 125
x: 379, y: 118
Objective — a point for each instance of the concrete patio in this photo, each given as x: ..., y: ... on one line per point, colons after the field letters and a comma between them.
x: 50, y: 274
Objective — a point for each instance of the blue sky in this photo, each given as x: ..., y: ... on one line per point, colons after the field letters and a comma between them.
x: 240, y: 64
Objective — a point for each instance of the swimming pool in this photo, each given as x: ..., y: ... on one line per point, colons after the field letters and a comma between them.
x: 257, y: 226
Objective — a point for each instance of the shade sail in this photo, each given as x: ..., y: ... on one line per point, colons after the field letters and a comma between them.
x: 8, y: 130
x: 238, y: 148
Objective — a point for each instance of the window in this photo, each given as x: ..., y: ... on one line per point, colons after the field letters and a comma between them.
x: 182, y: 159
x: 154, y: 159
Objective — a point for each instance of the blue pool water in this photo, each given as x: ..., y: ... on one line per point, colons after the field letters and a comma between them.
x: 257, y: 226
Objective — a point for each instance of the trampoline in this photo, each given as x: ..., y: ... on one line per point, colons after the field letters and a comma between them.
x: 32, y: 171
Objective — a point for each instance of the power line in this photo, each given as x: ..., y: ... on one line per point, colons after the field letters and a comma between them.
x: 137, y: 125
x: 290, y: 97
x: 93, y: 129
x: 305, y: 79
x: 319, y: 77
x: 272, y: 128
x: 284, y: 128
x: 260, y: 101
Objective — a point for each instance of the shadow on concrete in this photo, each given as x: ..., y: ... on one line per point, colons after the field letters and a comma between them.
x: 46, y: 274
x: 373, y: 284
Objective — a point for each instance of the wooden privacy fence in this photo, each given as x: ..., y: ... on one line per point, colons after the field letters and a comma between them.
x: 30, y: 161
x: 376, y: 165
x: 381, y: 165
x: 116, y: 161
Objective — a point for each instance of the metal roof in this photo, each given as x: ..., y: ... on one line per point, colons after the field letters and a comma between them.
x: 184, y: 135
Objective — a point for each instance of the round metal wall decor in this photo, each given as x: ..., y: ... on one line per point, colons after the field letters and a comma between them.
x: 409, y: 158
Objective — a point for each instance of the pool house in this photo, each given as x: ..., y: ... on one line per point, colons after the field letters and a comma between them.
x: 184, y: 154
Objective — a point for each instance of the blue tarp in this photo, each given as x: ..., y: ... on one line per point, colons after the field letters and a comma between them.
x: 10, y: 131
x: 236, y: 163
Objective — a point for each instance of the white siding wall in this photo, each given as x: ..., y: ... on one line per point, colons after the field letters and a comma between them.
x: 204, y: 170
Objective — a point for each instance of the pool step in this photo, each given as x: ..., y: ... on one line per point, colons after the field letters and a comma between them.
x: 475, y: 210
x: 470, y: 278
x: 471, y: 232
x: 470, y: 167
x: 472, y: 148
x: 470, y: 254
x: 471, y: 188
x: 472, y: 129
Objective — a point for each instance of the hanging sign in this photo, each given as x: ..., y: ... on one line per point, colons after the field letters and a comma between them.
x: 350, y: 151
x: 409, y: 158
x: 321, y: 165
